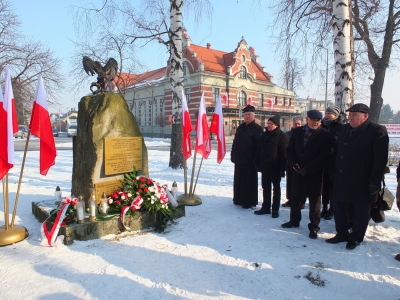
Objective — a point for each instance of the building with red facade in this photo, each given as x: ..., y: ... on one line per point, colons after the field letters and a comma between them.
x: 214, y: 72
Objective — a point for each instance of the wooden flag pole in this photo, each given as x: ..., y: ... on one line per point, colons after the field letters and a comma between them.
x: 198, y: 172
x: 20, y: 180
x: 191, y: 178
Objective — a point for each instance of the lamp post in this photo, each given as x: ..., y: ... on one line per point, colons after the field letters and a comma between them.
x: 326, y: 76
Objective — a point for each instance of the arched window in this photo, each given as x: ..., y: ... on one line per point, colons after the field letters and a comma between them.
x: 243, y: 58
x: 242, y: 98
x: 243, y: 72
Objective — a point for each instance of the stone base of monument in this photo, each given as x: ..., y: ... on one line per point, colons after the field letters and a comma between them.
x: 96, y: 229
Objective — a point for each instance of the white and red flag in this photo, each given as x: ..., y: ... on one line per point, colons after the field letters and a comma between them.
x: 226, y: 99
x: 203, y: 142
x: 250, y: 101
x: 8, y: 126
x: 186, y: 129
x: 271, y: 102
x: 217, y: 126
x: 40, y: 126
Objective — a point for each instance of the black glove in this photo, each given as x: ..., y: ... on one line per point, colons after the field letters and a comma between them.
x: 373, y: 188
x: 282, y: 173
x: 302, y: 172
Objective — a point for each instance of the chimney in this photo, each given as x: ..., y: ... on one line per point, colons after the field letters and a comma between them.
x: 208, y: 46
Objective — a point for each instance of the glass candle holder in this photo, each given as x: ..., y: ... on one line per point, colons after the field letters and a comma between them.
x: 58, y: 196
x: 104, y: 204
x: 80, y: 210
x: 93, y: 206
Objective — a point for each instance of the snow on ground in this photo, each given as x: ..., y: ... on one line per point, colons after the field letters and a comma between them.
x: 217, y: 251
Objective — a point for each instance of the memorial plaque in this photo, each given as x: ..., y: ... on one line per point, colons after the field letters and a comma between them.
x: 122, y: 154
x: 107, y: 187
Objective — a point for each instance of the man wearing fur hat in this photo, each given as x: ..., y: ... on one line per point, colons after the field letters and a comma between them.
x: 361, y: 155
x: 271, y: 161
x: 308, y: 152
x: 245, y: 180
x: 331, y: 122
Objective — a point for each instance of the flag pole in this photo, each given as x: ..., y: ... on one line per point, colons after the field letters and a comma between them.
x: 5, y: 199
x: 20, y: 180
x: 198, y: 172
x: 191, y: 178
x: 185, y: 174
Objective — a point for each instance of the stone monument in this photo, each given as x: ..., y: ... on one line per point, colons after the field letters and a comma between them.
x: 108, y: 144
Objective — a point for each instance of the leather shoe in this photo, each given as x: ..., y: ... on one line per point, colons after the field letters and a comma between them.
x: 328, y: 215
x: 275, y: 214
x: 336, y: 239
x: 262, y: 212
x: 286, y: 204
x: 313, y: 234
x: 352, y: 244
x: 289, y: 225
x: 397, y: 257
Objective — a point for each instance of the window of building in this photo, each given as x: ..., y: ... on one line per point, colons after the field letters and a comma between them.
x: 242, y: 98
x: 187, y: 95
x: 290, y: 102
x: 216, y: 94
x: 243, y: 58
x: 276, y: 100
x: 184, y: 68
x: 243, y: 72
x: 260, y: 100
x: 284, y: 101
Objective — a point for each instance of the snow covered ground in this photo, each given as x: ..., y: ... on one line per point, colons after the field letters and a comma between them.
x: 218, y: 251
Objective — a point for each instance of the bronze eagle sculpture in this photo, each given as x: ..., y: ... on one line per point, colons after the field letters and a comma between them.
x: 105, y: 75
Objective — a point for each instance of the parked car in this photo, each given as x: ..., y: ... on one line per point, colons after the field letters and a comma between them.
x: 55, y: 132
x: 22, y: 132
x: 72, y: 130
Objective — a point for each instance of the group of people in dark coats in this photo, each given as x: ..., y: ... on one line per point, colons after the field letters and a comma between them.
x: 342, y: 163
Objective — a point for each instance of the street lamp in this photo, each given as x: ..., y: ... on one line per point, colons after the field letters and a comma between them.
x: 326, y: 76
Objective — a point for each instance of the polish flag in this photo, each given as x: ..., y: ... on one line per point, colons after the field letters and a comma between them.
x: 217, y: 126
x: 203, y: 143
x: 226, y: 99
x: 250, y: 101
x: 186, y: 129
x: 40, y: 126
x: 271, y: 102
x: 8, y: 126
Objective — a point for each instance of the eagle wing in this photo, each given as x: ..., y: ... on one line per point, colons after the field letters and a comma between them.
x: 111, y: 68
x: 91, y: 67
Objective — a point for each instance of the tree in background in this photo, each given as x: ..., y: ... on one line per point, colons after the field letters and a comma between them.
x: 386, y: 114
x: 292, y: 74
x: 27, y: 60
x: 304, y: 24
x: 162, y: 121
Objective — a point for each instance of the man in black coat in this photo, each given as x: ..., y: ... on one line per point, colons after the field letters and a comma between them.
x: 245, y: 180
x: 308, y: 152
x: 331, y: 122
x: 297, y: 122
x: 361, y: 156
x: 271, y: 161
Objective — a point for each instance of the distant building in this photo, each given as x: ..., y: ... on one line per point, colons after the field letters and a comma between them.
x: 301, y: 105
x: 214, y: 72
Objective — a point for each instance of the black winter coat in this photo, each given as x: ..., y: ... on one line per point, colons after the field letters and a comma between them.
x: 313, y: 157
x: 245, y: 143
x: 360, y: 160
x: 333, y: 128
x: 271, y: 152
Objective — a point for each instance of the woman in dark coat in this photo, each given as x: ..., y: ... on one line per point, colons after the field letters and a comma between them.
x: 271, y: 161
x: 245, y: 180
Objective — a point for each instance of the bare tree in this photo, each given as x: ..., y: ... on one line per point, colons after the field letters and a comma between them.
x: 162, y: 23
x: 162, y: 121
x: 305, y: 24
x: 292, y: 74
x: 27, y: 60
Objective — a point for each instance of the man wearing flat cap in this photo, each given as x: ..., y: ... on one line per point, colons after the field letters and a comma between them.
x: 361, y: 154
x: 245, y: 180
x: 271, y: 161
x: 308, y: 152
x: 333, y: 123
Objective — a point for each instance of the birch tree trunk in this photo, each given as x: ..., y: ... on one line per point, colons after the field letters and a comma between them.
x: 176, y: 79
x: 341, y: 23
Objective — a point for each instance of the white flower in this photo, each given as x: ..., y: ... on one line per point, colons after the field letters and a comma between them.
x: 152, y: 189
x: 122, y: 197
x: 110, y: 201
x: 152, y: 201
x: 153, y: 198
x: 163, y: 206
x: 129, y: 195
